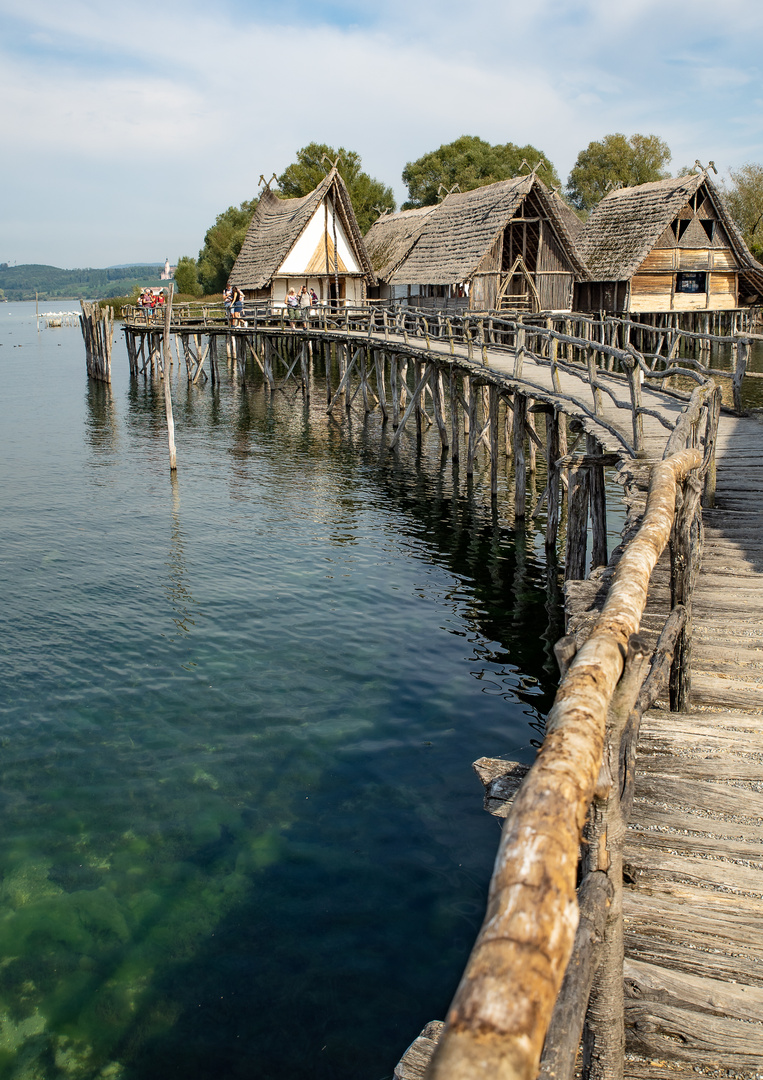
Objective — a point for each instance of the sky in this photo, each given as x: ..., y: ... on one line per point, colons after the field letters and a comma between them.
x: 125, y: 130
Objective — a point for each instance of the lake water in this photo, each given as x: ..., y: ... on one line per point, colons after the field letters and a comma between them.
x: 241, y: 833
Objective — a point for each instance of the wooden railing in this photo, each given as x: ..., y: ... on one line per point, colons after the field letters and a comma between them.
x: 598, y: 352
x: 547, y: 968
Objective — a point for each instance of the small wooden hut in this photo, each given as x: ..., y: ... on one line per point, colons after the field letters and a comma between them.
x: 313, y: 240
x: 667, y: 246
x: 505, y: 246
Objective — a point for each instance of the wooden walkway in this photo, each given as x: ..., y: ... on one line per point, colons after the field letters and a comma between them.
x: 693, y: 899
x: 694, y: 854
x: 537, y: 380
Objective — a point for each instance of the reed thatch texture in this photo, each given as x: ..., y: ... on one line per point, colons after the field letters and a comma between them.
x: 390, y: 239
x: 571, y: 220
x: 277, y: 225
x: 629, y: 222
x: 459, y: 232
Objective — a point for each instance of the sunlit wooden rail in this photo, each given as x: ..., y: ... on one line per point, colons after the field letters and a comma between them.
x: 544, y: 992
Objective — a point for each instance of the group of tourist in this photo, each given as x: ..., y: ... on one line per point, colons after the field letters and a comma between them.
x: 233, y: 299
x: 149, y: 301
x: 303, y: 301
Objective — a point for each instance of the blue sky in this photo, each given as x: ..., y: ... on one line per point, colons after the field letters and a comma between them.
x: 124, y: 134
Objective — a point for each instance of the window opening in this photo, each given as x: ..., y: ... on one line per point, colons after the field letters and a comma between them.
x: 709, y: 226
x: 691, y: 281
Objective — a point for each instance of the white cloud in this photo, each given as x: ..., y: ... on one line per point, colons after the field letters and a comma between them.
x: 202, y: 104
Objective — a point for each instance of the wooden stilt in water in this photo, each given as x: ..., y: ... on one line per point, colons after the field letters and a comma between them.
x: 520, y: 469
x: 453, y: 402
x: 554, y: 421
x: 598, y: 500
x: 97, y: 327
x: 470, y: 423
x: 167, y: 387
x: 435, y: 382
x: 577, y: 524
x: 381, y: 389
x: 493, y: 413
x: 508, y: 427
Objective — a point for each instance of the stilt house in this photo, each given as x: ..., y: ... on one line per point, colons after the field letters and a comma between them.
x: 313, y: 241
x: 667, y: 246
x: 505, y: 246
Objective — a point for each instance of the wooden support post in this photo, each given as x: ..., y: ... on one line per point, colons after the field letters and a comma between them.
x: 553, y: 421
x: 167, y: 387
x: 554, y: 349
x: 741, y: 352
x: 493, y: 413
x: 604, y: 1033
x: 470, y: 419
x: 519, y: 354
x: 363, y: 379
x: 634, y: 382
x: 520, y: 468
x: 508, y: 426
x: 596, y: 393
x: 305, y: 380
x: 411, y: 405
x: 685, y: 551
x: 598, y: 497
x: 393, y: 389
x: 381, y: 389
x: 435, y: 383
x: 417, y: 369
x: 577, y: 524
x: 566, y: 1028
x: 532, y: 454
x: 453, y: 402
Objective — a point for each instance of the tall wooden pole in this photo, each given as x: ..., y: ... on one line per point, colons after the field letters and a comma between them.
x: 167, y: 363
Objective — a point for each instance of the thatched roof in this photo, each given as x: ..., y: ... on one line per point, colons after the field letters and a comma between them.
x: 390, y: 239
x: 277, y: 225
x: 567, y: 214
x: 628, y: 223
x: 447, y: 244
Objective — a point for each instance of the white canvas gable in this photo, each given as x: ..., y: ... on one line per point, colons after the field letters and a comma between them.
x: 301, y: 256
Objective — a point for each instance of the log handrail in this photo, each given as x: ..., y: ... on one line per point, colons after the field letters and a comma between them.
x: 497, y: 1023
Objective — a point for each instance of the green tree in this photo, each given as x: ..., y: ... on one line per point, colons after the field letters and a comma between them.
x: 470, y: 162
x: 222, y: 244
x: 640, y: 159
x: 303, y: 175
x: 187, y: 276
x: 744, y: 198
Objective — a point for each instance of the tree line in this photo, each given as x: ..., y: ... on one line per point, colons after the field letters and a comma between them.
x: 52, y: 283
x: 464, y: 164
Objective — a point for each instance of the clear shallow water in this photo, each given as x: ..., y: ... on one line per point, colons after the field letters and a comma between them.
x: 241, y: 834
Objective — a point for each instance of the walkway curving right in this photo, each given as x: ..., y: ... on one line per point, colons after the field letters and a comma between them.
x: 694, y: 856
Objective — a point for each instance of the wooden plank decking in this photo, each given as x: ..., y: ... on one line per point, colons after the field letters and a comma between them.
x: 694, y: 898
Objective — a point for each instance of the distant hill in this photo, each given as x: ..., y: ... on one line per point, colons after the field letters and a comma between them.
x: 52, y: 283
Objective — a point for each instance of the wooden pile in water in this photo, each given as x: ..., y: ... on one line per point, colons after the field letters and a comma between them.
x: 98, y: 332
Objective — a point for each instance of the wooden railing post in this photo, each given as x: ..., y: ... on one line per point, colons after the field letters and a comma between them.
x: 685, y: 548
x: 741, y: 350
x: 519, y: 355
x: 634, y: 382
x: 604, y: 1032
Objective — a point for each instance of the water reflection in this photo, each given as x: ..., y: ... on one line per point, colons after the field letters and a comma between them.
x: 177, y: 580
x: 101, y: 423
